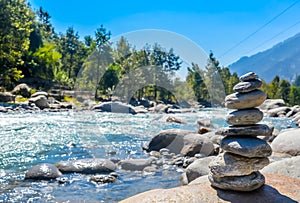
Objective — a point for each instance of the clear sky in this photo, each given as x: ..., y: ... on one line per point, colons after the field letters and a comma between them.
x: 214, y: 25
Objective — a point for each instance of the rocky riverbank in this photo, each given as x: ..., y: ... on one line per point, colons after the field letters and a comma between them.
x: 221, y: 177
x: 22, y: 99
x: 185, y: 151
x: 191, y: 153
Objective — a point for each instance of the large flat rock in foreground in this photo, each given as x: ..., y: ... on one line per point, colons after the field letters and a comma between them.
x: 278, y: 188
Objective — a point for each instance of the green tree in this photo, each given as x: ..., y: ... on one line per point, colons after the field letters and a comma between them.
x: 104, y: 53
x: 45, y: 25
x: 294, y: 96
x: 16, y: 19
x: 47, y: 62
x: 183, y: 91
x: 284, y: 90
x: 195, y: 79
x: 73, y: 53
x: 273, y: 87
x: 109, y: 80
x: 214, y: 81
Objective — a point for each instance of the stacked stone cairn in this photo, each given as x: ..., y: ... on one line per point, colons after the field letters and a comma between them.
x: 237, y: 167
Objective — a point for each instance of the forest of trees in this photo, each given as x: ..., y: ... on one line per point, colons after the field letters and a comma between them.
x: 31, y: 50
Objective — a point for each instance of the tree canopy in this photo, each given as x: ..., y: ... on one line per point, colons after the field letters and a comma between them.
x: 30, y: 48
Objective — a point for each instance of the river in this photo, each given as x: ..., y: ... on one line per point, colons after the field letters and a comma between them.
x: 27, y: 139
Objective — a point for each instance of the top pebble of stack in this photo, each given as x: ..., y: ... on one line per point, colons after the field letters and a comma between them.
x: 248, y: 76
x: 247, y: 93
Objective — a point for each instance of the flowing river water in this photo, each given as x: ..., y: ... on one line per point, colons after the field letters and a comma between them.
x: 27, y: 139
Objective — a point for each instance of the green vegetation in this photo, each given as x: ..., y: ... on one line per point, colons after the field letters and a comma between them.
x: 30, y: 50
x: 282, y: 89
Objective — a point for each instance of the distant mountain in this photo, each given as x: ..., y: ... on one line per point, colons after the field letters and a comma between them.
x: 283, y: 60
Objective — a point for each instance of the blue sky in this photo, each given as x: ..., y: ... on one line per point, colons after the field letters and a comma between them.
x: 213, y: 25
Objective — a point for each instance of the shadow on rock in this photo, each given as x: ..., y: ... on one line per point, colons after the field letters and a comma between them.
x: 264, y: 194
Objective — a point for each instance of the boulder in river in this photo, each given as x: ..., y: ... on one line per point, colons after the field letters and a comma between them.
x: 115, y: 107
x: 173, y: 119
x: 165, y: 138
x: 182, y: 142
x: 43, y: 171
x: 276, y: 112
x: 6, y: 97
x: 205, y: 122
x: 86, y: 166
x: 40, y: 101
x: 22, y: 89
x: 40, y: 93
x: 271, y: 104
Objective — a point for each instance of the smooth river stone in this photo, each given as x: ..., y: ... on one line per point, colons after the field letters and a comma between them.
x: 248, y: 76
x: 247, y: 86
x: 238, y: 183
x: 245, y: 117
x: 86, y: 166
x: 245, y: 100
x: 248, y: 146
x: 227, y: 164
x: 252, y: 130
x: 43, y: 171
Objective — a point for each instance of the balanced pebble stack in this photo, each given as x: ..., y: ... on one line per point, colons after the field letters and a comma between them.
x: 237, y: 168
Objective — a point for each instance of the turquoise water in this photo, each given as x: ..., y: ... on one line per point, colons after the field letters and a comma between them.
x: 27, y: 139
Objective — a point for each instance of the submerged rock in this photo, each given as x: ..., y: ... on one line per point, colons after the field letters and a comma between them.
x: 43, y: 172
x: 102, y: 179
x: 135, y: 164
x: 86, y: 166
x: 172, y: 119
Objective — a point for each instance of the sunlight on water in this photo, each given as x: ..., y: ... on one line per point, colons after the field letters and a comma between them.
x: 28, y: 139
